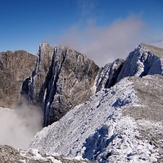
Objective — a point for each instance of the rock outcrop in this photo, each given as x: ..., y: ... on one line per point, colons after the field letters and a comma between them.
x: 62, y: 79
x: 9, y: 154
x: 108, y: 74
x: 144, y: 60
x: 15, y: 67
x: 120, y: 113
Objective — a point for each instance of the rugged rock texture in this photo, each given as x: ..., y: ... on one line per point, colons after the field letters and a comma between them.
x: 121, y: 122
x: 149, y: 90
x: 148, y: 112
x: 62, y: 79
x: 107, y: 75
x: 115, y: 125
x: 15, y: 67
x: 144, y: 60
x: 10, y: 155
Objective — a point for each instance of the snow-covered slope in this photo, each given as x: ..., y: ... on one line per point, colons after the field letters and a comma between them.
x: 102, y: 130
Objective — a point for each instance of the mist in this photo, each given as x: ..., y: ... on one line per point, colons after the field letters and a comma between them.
x: 104, y: 44
x: 20, y: 125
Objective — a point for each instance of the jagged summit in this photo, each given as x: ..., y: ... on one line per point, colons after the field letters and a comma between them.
x: 142, y: 61
x: 153, y: 49
x: 62, y: 79
x: 110, y: 114
x: 60, y: 75
x: 113, y: 124
x: 44, y: 46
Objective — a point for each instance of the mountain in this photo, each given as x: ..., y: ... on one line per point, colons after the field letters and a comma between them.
x: 113, y: 125
x: 144, y: 60
x: 108, y: 114
x: 62, y: 79
x: 122, y: 122
x: 15, y: 67
x: 57, y: 79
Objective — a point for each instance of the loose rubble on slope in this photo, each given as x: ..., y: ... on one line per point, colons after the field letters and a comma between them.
x: 15, y: 67
x: 10, y: 155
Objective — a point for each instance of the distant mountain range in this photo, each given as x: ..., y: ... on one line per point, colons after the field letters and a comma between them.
x: 108, y: 114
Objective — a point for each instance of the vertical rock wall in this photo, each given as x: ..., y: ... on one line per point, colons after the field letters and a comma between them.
x: 62, y: 79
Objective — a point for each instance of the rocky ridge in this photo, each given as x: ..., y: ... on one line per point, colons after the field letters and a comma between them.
x: 62, y: 79
x: 110, y: 126
x: 15, y: 67
x: 144, y: 60
x: 122, y: 121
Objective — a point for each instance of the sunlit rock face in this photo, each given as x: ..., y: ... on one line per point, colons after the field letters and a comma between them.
x: 144, y: 60
x: 15, y: 67
x: 10, y: 154
x: 109, y: 114
x: 62, y: 79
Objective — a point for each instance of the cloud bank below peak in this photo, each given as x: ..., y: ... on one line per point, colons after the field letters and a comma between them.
x: 103, y: 44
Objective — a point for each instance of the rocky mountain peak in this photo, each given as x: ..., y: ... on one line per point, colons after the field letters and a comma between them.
x: 107, y: 114
x: 151, y: 49
x: 15, y: 67
x: 62, y: 79
x: 144, y: 60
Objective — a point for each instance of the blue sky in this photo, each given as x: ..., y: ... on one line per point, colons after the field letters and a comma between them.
x: 78, y: 23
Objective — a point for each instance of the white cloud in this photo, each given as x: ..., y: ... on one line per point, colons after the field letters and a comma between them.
x: 19, y: 126
x: 106, y: 43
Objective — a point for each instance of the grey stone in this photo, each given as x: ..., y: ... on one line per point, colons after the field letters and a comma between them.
x: 15, y: 67
x: 108, y: 74
x: 9, y: 154
x: 62, y: 79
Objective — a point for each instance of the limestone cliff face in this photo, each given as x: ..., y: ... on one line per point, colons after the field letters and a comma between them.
x: 62, y: 79
x: 15, y: 67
